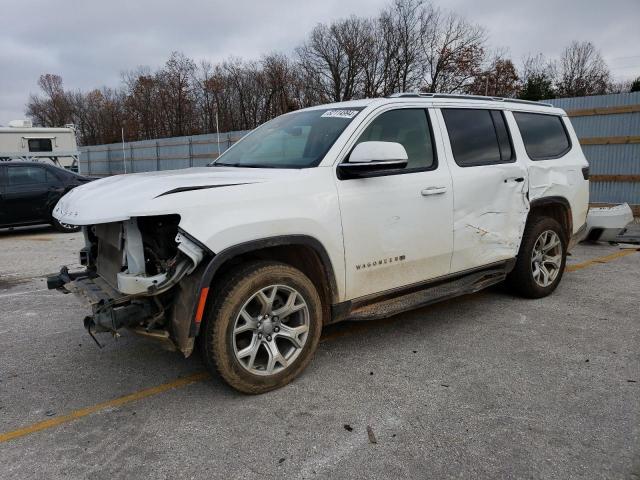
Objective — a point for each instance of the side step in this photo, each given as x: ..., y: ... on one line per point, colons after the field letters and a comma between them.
x: 470, y: 283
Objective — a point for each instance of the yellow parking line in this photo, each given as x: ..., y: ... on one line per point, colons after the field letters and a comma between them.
x: 605, y: 259
x: 116, y: 402
x: 200, y: 376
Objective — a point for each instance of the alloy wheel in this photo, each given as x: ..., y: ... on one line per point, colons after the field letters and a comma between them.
x: 546, y: 258
x: 271, y: 330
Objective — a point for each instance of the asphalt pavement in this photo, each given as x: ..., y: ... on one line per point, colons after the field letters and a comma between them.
x: 483, y: 386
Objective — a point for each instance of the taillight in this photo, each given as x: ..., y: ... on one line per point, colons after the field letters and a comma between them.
x: 585, y: 173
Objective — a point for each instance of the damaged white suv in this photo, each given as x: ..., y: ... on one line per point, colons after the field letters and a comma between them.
x: 356, y: 210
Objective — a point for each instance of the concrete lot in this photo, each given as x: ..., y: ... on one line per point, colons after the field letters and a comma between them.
x: 485, y: 386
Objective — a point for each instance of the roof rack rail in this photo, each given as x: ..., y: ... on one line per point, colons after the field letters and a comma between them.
x: 466, y: 97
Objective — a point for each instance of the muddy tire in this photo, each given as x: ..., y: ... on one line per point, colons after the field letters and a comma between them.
x: 262, y: 327
x: 63, y: 227
x: 541, y: 259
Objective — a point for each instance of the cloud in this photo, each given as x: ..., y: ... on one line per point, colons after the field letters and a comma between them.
x: 91, y: 43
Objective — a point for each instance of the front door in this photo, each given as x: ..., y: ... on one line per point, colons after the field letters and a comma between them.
x: 490, y: 206
x: 397, y: 226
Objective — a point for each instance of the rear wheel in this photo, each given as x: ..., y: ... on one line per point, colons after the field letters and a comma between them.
x: 541, y: 259
x: 64, y: 227
x: 263, y: 326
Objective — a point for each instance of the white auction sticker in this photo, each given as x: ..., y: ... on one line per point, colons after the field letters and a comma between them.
x: 340, y: 113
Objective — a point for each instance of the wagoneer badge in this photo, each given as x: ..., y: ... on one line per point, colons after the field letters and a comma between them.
x: 378, y: 263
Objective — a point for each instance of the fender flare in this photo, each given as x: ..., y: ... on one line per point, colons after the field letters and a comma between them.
x: 229, y: 253
x: 552, y: 201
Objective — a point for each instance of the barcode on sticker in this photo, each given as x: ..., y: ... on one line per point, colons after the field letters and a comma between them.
x: 340, y: 113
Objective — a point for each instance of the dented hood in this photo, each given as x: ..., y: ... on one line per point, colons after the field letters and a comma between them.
x: 121, y: 197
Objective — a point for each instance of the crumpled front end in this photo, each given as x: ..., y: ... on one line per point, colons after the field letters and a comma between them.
x: 137, y: 276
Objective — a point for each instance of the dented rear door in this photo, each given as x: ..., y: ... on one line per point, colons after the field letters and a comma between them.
x: 490, y: 186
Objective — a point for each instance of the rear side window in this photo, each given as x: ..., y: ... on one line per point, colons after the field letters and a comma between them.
x: 478, y: 137
x: 26, y: 175
x: 40, y: 145
x: 544, y: 136
x: 409, y: 127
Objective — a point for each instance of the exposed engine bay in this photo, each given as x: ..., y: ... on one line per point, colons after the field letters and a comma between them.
x: 133, y: 269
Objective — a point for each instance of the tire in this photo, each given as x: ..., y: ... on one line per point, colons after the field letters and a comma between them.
x: 528, y: 278
x: 270, y: 351
x: 63, y: 227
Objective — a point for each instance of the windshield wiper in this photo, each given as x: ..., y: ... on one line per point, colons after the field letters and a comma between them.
x: 244, y: 165
x: 220, y: 164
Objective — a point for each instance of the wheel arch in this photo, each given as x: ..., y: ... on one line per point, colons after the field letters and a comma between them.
x: 303, y: 252
x: 555, y: 207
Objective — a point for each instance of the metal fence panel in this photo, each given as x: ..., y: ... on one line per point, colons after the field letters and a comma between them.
x: 612, y: 125
x: 596, y: 101
x: 618, y: 162
x: 152, y: 155
x: 622, y: 159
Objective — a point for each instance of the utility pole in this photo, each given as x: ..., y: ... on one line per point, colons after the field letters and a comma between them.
x: 124, y: 157
x: 217, y: 132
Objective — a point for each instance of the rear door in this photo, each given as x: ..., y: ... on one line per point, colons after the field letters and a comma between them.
x: 489, y: 183
x: 27, y: 192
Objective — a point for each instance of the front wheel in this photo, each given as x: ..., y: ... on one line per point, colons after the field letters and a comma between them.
x: 263, y: 326
x: 541, y: 259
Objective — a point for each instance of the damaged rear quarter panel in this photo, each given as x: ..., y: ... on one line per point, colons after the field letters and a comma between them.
x: 562, y: 177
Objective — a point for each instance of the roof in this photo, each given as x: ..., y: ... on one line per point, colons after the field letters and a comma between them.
x: 449, y: 100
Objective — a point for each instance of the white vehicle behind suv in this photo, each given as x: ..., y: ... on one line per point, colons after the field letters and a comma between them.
x: 360, y: 209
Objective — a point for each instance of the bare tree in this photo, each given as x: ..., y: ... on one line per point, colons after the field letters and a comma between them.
x: 537, y: 76
x: 393, y: 62
x: 499, y: 79
x: 336, y: 54
x: 582, y: 71
x: 55, y: 109
x: 176, y: 98
x: 453, y: 50
x: 141, y: 104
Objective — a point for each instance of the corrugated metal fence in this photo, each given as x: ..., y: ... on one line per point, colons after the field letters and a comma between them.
x: 608, y: 127
x: 152, y: 155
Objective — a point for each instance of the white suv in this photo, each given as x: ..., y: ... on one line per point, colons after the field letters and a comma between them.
x: 360, y: 209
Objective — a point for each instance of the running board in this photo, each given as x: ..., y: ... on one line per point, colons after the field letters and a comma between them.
x: 470, y: 283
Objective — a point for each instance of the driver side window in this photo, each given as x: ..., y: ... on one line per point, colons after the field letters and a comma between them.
x: 409, y: 127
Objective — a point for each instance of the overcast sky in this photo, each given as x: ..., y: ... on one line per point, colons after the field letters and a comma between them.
x: 90, y: 43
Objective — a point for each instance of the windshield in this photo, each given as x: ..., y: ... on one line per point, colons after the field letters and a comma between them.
x: 295, y: 140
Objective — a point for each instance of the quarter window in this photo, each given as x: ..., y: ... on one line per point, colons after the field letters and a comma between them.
x: 40, y: 145
x: 478, y: 137
x: 26, y: 175
x: 410, y: 128
x: 544, y: 136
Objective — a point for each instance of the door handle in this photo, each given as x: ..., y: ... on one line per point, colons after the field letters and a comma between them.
x: 433, y: 191
x: 514, y: 179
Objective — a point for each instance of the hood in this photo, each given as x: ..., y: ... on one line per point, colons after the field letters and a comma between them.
x: 120, y: 197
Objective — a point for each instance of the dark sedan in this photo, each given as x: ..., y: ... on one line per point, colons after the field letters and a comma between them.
x: 30, y: 190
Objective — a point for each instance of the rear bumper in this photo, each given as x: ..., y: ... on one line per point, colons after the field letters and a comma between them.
x: 606, y: 223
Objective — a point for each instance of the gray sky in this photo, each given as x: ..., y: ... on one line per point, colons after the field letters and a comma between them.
x: 90, y: 43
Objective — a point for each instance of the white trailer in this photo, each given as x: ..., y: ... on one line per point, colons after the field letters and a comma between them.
x: 21, y: 141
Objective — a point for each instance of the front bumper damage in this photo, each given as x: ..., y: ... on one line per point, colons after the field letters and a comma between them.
x: 111, y: 309
x: 122, y: 293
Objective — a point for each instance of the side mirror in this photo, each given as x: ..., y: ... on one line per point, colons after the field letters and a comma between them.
x: 371, y: 157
